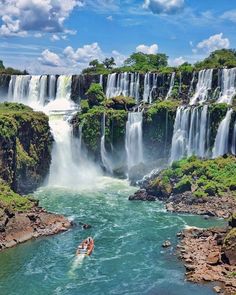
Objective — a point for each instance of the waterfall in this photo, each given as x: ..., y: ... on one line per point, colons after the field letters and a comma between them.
x: 134, y: 139
x: 126, y: 84
x: 190, y: 135
x: 63, y: 100
x: 190, y: 92
x: 180, y: 83
x: 101, y: 80
x: 146, y: 91
x: 228, y: 86
x: 42, y: 90
x: 150, y: 84
x: 18, y: 88
x: 52, y: 87
x: 106, y: 161
x: 204, y: 85
x: 172, y: 82
x: 34, y: 88
x: 233, y: 148
x: 221, y: 145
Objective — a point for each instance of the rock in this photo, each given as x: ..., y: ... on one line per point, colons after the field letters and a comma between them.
x: 86, y: 226
x: 232, y: 221
x: 229, y: 246
x: 217, y: 289
x: 166, y: 244
x: 142, y: 195
x: 213, y: 258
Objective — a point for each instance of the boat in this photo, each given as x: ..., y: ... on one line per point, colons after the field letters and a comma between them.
x: 86, y: 247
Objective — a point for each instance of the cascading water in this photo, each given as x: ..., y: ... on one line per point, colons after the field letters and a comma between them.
x: 221, y: 145
x: 190, y: 135
x: 172, y: 82
x: 203, y: 87
x: 134, y: 139
x: 233, y: 147
x: 228, y: 86
x: 52, y: 87
x: 106, y: 161
x: 19, y: 88
x: 150, y: 84
x: 126, y: 84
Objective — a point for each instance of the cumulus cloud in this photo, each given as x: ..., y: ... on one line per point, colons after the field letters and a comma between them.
x: 178, y: 61
x: 83, y: 55
x: 213, y: 43
x: 50, y: 58
x: 152, y: 49
x: 119, y: 57
x: 164, y: 6
x: 22, y: 16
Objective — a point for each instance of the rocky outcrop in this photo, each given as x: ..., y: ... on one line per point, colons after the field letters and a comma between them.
x: 204, y: 256
x: 25, y: 147
x: 19, y: 227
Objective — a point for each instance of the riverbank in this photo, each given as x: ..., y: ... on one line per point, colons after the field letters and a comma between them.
x: 21, y: 219
x: 208, y: 258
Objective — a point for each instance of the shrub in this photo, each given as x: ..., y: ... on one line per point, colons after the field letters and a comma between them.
x: 95, y: 95
x: 183, y: 185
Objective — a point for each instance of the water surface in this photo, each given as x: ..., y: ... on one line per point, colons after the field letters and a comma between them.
x: 127, y: 259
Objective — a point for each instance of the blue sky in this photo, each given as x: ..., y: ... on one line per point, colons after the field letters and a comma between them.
x: 62, y: 36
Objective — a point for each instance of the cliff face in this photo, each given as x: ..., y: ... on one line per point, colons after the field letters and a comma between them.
x: 25, y: 144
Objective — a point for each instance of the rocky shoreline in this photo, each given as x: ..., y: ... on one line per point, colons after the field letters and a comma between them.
x: 207, y: 258
x: 222, y: 207
x: 16, y: 227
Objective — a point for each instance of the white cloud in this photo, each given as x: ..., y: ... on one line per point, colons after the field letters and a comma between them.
x: 22, y: 16
x: 50, y: 58
x: 55, y: 37
x: 164, y: 6
x: 110, y: 18
x: 152, y: 49
x: 119, y: 57
x: 229, y: 15
x: 213, y: 43
x: 178, y: 61
x: 85, y: 54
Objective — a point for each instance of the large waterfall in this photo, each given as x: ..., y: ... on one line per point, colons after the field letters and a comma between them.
x: 204, y: 85
x: 233, y: 148
x: 221, y: 145
x: 134, y: 139
x: 126, y: 84
x: 228, y: 85
x: 172, y: 82
x: 190, y: 135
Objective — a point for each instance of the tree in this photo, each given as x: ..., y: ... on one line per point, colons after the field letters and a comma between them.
x: 219, y: 59
x: 1, y: 65
x: 146, y: 62
x: 95, y: 95
x: 94, y: 63
x: 109, y: 62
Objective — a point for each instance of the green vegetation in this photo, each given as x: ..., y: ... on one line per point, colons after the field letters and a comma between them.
x: 141, y: 62
x: 12, y: 201
x: 25, y: 140
x: 10, y: 71
x: 218, y: 59
x: 202, y: 177
x: 91, y: 124
x: 146, y: 62
x: 120, y: 103
x: 95, y: 95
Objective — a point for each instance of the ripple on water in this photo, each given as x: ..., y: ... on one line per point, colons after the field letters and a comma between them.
x: 127, y: 259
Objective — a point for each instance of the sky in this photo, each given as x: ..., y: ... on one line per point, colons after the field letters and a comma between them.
x: 63, y: 36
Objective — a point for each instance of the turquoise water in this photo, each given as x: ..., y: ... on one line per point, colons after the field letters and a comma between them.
x: 127, y: 259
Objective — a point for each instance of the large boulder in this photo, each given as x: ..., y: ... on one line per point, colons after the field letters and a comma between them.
x: 229, y: 246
